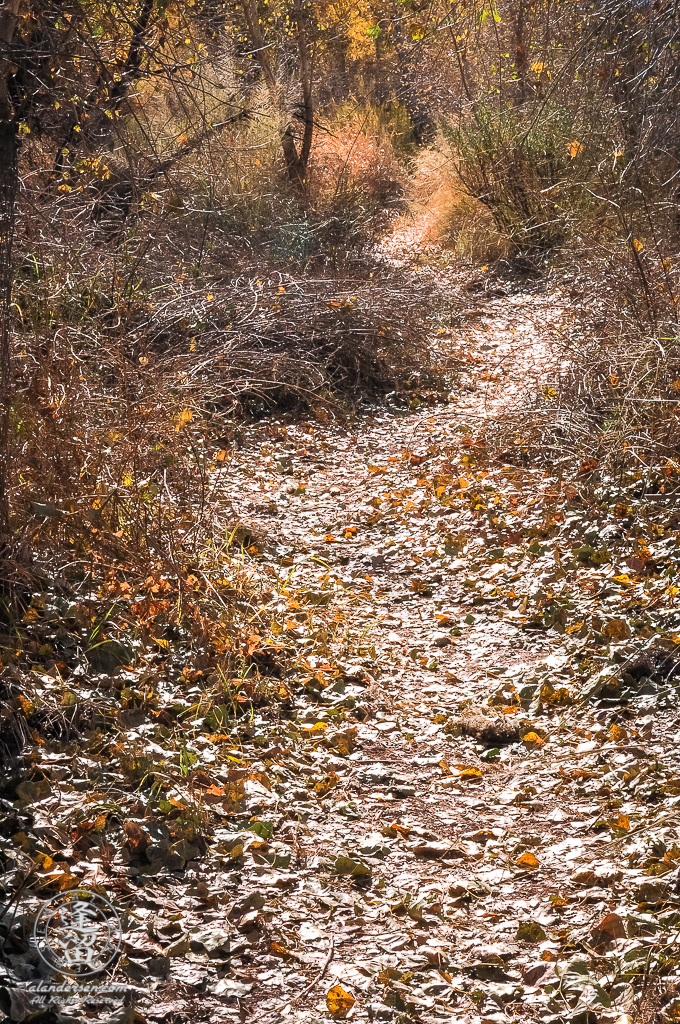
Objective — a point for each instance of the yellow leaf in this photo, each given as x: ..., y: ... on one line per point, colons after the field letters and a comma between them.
x: 574, y: 148
x: 528, y: 860
x: 532, y: 739
x: 638, y: 245
x: 339, y: 1002
x: 221, y: 456
x: 537, y: 66
x: 313, y: 730
x: 184, y: 417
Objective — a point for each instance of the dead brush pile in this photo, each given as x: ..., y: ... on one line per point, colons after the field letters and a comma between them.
x: 131, y: 391
x: 133, y: 405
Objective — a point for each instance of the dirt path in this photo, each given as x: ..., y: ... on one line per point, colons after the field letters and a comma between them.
x: 458, y: 837
x: 440, y: 797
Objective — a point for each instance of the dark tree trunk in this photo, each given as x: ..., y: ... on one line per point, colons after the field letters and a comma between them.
x: 8, y: 191
x: 296, y: 162
x: 8, y: 182
x: 423, y: 123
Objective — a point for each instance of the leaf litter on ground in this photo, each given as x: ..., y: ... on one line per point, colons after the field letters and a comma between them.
x: 428, y: 770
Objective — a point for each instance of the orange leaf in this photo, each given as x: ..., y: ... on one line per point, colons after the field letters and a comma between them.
x: 276, y: 949
x: 528, y: 860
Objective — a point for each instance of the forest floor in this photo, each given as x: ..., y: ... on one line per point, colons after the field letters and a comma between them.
x: 467, y: 811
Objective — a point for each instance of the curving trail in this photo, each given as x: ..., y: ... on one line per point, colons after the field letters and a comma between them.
x: 458, y: 835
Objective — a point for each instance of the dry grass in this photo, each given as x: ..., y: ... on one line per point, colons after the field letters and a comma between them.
x: 440, y: 213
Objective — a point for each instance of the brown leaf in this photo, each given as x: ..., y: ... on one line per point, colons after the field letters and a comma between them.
x: 606, y: 931
x: 137, y: 838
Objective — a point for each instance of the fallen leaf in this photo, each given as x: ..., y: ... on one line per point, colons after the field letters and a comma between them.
x: 339, y: 1002
x: 606, y: 931
x: 528, y: 860
x: 532, y: 740
x: 530, y: 931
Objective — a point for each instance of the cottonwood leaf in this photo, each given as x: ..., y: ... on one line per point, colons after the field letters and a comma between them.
x: 339, y: 1002
x: 529, y: 861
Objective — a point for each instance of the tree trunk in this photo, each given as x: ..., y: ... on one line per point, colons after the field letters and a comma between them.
x: 521, y: 53
x: 8, y: 189
x: 296, y: 163
x: 107, y: 96
x: 422, y: 122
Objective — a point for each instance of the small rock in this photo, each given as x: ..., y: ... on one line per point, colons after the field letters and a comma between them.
x: 433, y: 851
x: 401, y: 791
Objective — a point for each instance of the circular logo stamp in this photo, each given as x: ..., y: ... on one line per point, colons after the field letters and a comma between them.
x: 78, y: 933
